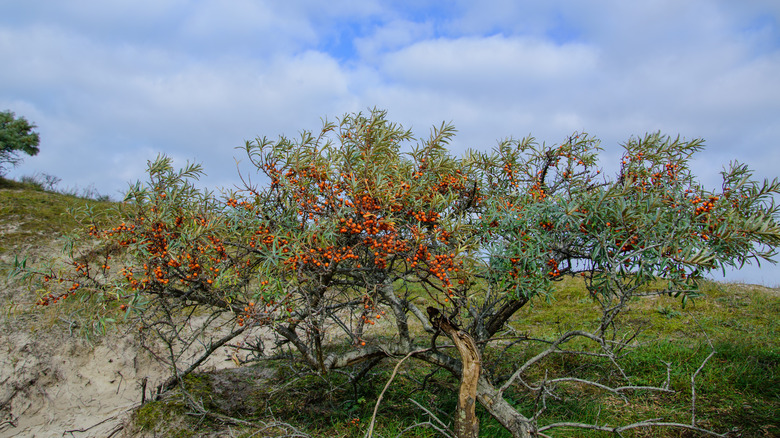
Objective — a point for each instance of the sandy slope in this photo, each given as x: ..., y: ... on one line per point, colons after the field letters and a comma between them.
x: 53, y: 383
x: 62, y: 386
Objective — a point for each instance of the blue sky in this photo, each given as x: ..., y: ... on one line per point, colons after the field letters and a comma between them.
x: 111, y: 84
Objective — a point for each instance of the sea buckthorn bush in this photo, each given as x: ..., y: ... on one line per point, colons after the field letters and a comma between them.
x: 336, y: 239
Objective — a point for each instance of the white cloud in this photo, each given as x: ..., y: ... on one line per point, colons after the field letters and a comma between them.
x: 244, y: 27
x: 392, y: 36
x: 493, y: 62
x: 129, y: 97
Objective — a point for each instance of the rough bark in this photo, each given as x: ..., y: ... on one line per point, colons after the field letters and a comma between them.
x: 502, y: 316
x: 400, y: 314
x: 490, y: 398
x: 466, y: 421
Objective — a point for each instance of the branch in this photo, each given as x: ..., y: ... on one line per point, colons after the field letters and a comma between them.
x: 434, y: 417
x: 291, y: 336
x: 86, y: 429
x: 499, y: 318
x: 619, y: 429
x: 693, y: 377
x: 370, y: 432
x: 419, y: 315
x: 353, y: 357
x: 617, y: 391
x: 400, y: 314
x: 173, y: 380
x: 200, y: 410
x: 546, y: 353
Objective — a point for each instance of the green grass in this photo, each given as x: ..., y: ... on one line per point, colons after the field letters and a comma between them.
x: 29, y: 217
x: 10, y: 184
x: 319, y: 406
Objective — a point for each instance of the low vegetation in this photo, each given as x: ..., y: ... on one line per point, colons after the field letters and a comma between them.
x: 738, y: 390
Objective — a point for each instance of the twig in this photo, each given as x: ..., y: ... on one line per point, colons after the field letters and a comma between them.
x: 90, y: 427
x: 121, y: 379
x: 668, y: 374
x: 617, y: 391
x: 619, y: 429
x: 433, y: 417
x: 116, y: 430
x: 693, y: 388
x: 174, y: 380
x: 370, y: 432
x: 425, y: 424
x: 143, y: 390
x: 693, y: 377
x: 11, y: 397
x: 11, y: 421
x: 200, y: 410
x: 553, y: 348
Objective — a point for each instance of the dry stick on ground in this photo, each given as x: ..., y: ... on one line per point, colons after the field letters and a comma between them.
x: 442, y: 428
x: 618, y: 429
x: 693, y: 377
x: 200, y: 410
x: 11, y: 421
x: 370, y: 432
x: 86, y: 429
x: 11, y: 397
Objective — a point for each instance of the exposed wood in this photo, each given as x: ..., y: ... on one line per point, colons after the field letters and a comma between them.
x: 466, y: 421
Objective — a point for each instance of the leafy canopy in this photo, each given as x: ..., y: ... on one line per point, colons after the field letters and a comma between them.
x: 16, y: 136
x: 347, y: 210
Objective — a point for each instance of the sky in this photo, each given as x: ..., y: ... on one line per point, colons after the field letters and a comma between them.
x: 112, y: 84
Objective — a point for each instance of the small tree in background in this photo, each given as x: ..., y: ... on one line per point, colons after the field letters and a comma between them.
x: 16, y: 137
x: 343, y: 237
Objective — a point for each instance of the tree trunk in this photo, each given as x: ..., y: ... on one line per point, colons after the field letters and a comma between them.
x: 502, y: 316
x: 515, y: 422
x: 466, y: 421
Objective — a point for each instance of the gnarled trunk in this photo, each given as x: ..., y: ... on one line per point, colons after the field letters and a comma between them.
x: 466, y: 421
x: 490, y: 398
x: 474, y: 386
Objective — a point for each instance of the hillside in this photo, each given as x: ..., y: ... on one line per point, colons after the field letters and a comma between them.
x: 55, y: 382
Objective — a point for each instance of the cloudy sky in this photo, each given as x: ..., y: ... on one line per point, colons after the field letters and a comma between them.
x: 111, y: 84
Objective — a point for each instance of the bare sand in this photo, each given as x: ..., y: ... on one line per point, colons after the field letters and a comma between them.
x: 66, y: 387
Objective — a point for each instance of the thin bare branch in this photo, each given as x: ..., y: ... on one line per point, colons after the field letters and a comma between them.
x: 370, y: 432
x: 431, y: 414
x: 619, y: 429
x: 617, y: 391
x: 698, y: 370
x: 550, y: 350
